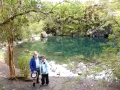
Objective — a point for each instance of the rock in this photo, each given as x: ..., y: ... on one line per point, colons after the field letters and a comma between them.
x: 49, y: 35
x: 80, y: 73
x: 81, y: 65
x: 26, y: 51
x: 44, y: 34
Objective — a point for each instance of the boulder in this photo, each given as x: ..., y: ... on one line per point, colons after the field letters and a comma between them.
x: 44, y: 34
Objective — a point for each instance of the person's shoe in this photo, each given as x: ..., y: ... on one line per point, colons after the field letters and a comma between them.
x: 41, y: 85
x: 33, y: 84
x: 46, y: 84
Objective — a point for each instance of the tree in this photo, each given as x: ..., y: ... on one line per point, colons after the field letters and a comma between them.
x: 12, y: 20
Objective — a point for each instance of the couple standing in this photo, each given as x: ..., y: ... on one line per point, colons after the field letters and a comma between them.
x: 39, y: 66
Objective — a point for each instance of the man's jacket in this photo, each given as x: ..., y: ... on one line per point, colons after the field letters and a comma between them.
x: 33, y: 63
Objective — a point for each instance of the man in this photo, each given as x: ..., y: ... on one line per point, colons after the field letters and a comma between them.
x: 35, y: 66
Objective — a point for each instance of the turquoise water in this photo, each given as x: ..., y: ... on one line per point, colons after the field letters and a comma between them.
x: 63, y: 48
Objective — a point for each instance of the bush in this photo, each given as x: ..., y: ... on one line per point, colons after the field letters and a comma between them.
x: 0, y: 86
x: 23, y: 64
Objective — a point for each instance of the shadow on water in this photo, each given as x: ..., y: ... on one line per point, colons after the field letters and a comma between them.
x: 61, y: 49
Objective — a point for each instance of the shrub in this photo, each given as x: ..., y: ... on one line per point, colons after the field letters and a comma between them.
x: 0, y: 86
x: 23, y: 63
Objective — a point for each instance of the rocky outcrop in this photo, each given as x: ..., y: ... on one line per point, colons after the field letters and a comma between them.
x: 100, y: 33
x: 45, y: 35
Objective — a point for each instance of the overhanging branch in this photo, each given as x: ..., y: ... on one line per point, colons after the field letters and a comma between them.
x: 22, y: 13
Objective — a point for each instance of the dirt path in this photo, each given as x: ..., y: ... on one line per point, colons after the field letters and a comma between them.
x: 56, y: 83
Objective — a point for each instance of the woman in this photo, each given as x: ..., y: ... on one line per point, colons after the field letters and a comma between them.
x: 44, y: 71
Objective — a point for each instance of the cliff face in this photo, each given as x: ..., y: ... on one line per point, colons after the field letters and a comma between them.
x: 100, y: 33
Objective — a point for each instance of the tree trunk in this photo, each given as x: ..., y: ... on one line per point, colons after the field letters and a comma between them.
x: 11, y: 58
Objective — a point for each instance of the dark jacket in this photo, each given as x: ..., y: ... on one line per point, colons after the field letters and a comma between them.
x: 33, y: 64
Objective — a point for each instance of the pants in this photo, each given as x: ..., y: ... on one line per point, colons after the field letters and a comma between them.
x: 38, y: 70
x: 45, y: 79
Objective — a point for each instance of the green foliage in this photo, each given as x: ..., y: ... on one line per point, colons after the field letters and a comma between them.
x: 0, y: 86
x: 65, y: 18
x: 74, y: 18
x: 110, y: 58
x: 23, y: 63
x: 36, y: 27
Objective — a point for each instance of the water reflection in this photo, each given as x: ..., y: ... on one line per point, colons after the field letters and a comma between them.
x: 63, y: 48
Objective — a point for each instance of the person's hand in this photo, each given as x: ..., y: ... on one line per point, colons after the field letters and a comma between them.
x: 35, y: 72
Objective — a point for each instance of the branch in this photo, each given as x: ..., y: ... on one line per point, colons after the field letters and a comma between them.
x: 23, y: 13
x: 20, y: 14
